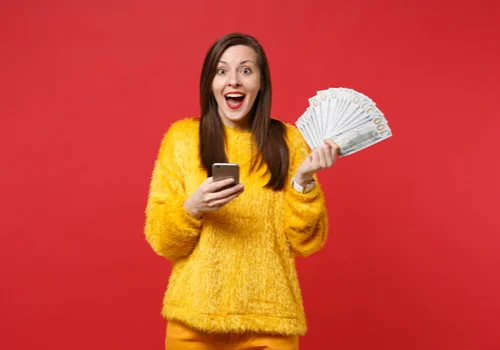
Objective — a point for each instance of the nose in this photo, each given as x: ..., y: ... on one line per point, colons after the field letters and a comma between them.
x: 234, y: 79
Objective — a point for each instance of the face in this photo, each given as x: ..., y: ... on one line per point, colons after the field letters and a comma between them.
x: 236, y: 85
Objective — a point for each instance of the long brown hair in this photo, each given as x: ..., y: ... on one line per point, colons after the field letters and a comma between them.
x: 269, y: 134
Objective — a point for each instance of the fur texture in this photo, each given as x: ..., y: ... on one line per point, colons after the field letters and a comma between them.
x: 234, y: 269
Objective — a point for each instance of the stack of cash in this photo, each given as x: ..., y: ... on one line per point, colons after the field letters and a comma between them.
x: 345, y: 116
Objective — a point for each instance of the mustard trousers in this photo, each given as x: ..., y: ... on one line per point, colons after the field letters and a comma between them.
x: 181, y: 337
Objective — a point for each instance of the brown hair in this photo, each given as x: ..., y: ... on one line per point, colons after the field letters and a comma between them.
x: 269, y: 134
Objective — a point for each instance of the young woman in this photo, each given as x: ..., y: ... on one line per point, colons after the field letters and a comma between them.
x: 233, y: 283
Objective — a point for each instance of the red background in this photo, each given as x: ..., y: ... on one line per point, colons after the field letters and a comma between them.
x: 87, y: 89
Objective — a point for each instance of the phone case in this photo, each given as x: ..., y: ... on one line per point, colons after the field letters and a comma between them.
x: 221, y: 171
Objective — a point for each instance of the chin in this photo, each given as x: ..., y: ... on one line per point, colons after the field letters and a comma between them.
x: 236, y: 117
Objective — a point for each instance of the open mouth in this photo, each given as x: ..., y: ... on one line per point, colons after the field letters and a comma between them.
x: 234, y: 100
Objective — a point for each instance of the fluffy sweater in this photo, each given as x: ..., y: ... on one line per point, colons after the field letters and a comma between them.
x: 233, y: 270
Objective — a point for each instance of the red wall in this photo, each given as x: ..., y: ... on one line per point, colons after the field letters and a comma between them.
x: 87, y: 89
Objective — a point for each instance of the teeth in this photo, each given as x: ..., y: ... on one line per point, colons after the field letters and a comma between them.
x: 235, y: 95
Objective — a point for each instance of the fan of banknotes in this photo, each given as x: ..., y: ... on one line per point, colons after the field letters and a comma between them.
x: 348, y: 117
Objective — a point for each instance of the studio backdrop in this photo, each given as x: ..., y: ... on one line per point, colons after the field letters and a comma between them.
x: 88, y: 89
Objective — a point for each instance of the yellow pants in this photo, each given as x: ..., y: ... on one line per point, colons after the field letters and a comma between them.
x: 180, y: 337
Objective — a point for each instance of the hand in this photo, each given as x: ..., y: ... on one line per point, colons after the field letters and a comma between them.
x: 319, y: 159
x: 208, y: 196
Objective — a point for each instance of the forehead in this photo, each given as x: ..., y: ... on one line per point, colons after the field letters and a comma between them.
x: 239, y: 53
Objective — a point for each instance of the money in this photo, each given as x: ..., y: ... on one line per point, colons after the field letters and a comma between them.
x: 345, y: 116
x: 360, y: 137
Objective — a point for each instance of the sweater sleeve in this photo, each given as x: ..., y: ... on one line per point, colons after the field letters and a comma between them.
x: 306, y: 218
x: 170, y: 230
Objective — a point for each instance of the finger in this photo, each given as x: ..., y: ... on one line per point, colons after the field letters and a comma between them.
x: 221, y: 202
x: 313, y: 160
x: 323, y: 163
x: 208, y: 180
x: 224, y: 193
x: 335, y: 151
x: 229, y: 191
x: 205, y: 185
x: 331, y: 143
x: 335, y: 148
x: 318, y: 160
x: 330, y: 155
x: 216, y: 186
x: 310, y: 157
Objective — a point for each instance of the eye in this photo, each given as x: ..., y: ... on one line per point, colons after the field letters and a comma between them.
x: 246, y: 70
x: 221, y: 71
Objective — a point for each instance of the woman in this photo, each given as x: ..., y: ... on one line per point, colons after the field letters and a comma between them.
x: 233, y: 283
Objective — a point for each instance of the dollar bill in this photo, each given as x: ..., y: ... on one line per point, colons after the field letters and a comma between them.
x: 363, y: 136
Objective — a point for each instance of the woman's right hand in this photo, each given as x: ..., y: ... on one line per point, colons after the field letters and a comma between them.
x: 209, y: 197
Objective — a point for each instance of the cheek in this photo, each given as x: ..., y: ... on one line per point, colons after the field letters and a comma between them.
x: 255, y: 87
x: 216, y: 86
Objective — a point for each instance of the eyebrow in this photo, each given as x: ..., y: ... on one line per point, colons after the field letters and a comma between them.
x: 242, y: 62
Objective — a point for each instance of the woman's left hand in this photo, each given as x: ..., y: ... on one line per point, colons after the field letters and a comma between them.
x: 319, y: 159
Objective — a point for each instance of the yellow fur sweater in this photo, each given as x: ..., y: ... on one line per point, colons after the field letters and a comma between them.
x: 233, y: 270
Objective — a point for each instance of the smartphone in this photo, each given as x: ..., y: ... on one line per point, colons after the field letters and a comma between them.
x: 221, y: 171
